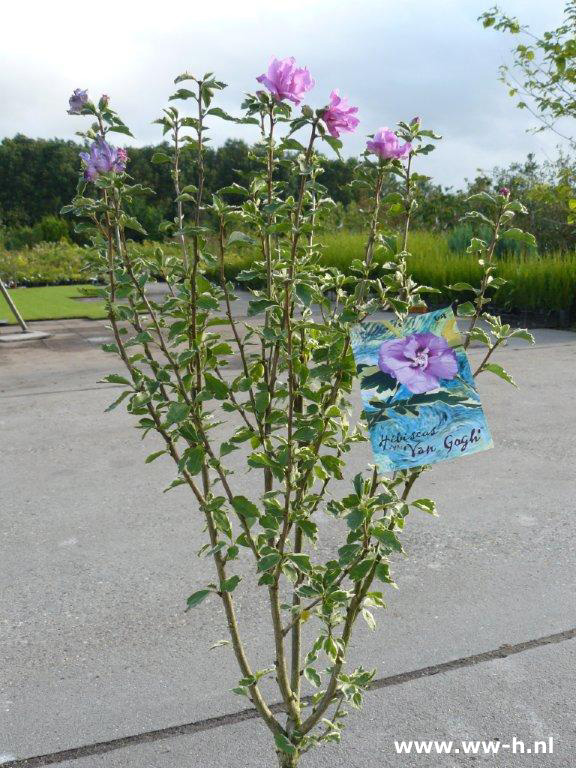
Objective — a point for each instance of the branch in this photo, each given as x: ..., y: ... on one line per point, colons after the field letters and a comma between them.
x: 256, y: 695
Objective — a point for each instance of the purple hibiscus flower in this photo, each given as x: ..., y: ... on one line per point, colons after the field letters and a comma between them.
x: 77, y: 101
x: 285, y: 80
x: 103, y: 158
x: 387, y: 145
x: 338, y: 116
x: 418, y: 361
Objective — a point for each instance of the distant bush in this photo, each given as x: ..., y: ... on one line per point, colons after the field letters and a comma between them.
x: 459, y: 238
x: 44, y: 264
x: 50, y: 229
x: 537, y: 284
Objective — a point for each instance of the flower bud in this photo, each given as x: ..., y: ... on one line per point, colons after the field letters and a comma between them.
x: 77, y: 101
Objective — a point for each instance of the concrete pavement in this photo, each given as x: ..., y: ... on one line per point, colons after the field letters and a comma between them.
x: 501, y: 701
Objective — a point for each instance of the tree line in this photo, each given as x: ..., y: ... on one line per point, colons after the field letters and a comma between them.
x: 39, y: 176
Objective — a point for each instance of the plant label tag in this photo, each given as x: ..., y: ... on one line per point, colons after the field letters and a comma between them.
x: 418, y: 392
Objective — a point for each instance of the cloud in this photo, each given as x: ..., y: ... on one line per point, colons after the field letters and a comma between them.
x: 392, y: 59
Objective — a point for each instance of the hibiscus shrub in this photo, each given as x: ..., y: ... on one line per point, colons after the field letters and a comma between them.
x: 285, y: 404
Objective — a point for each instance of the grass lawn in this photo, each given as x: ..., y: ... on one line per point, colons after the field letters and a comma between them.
x: 51, y: 303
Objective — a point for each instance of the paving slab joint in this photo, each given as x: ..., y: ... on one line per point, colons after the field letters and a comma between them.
x: 233, y: 718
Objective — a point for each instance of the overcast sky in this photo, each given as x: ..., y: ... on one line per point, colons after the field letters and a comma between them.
x: 393, y: 58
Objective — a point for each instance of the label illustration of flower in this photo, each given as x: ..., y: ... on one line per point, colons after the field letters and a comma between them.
x: 419, y: 361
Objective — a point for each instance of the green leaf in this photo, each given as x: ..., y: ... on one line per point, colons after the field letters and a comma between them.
x: 518, y: 235
x: 259, y: 305
x: 221, y: 349
x: 305, y: 434
x: 481, y: 196
x: 312, y: 676
x: 268, y: 562
x: 361, y: 569
x: 234, y: 189
x: 217, y: 112
x: 477, y: 334
x: 330, y: 647
x: 258, y: 460
x: 229, y: 585
x: 427, y: 505
x: 461, y: 287
x: 245, y: 507
x: 368, y: 618
x: 155, y: 455
x: 227, y: 447
x: 117, y: 402
x: 309, y: 528
x: 283, y: 744
x: 205, y: 301
x: 197, y: 598
x: 383, y: 572
x: 516, y: 206
x: 219, y: 644
x: 292, y: 145
x: 177, y: 412
x: 499, y: 371
x: 332, y: 464
x: 140, y: 400
x: 302, y: 562
x: 114, y: 378
x: 522, y: 333
x: 240, y: 237
x: 336, y: 144
x: 388, y: 538
x: 467, y: 309
x: 216, y: 386
x: 195, y: 460
x: 355, y: 519
x: 348, y: 553
x: 262, y: 400
x: 222, y: 522
x: 174, y: 484
x: 160, y: 157
x: 183, y: 93
x: 120, y: 129
x: 184, y: 76
x: 304, y: 293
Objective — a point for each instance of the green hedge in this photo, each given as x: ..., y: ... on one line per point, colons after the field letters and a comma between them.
x: 538, y: 284
x: 44, y: 264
